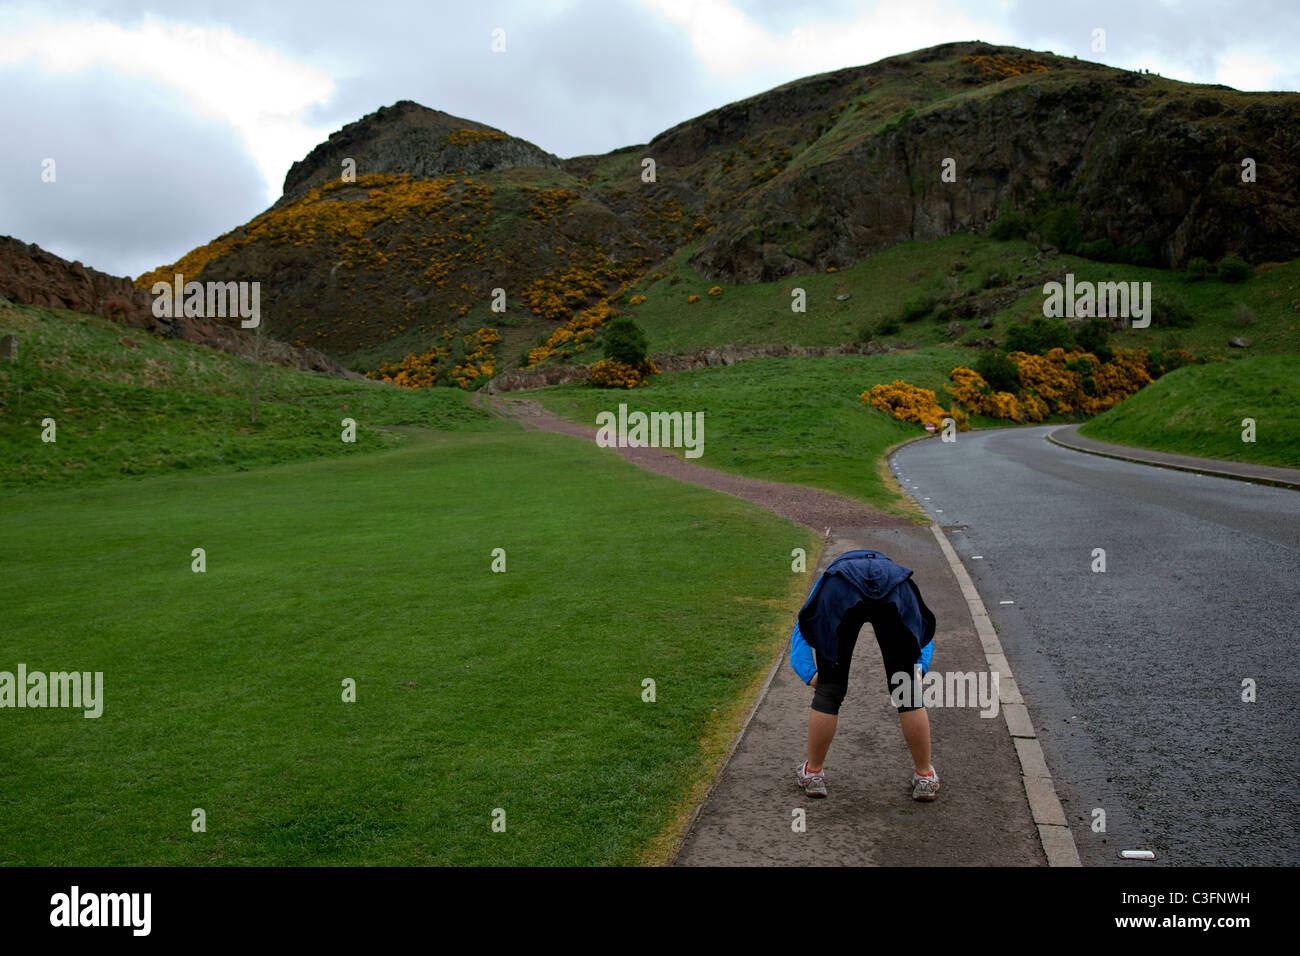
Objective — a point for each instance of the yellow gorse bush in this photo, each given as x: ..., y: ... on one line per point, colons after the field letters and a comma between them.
x: 999, y: 67
x: 1058, y: 379
x: 610, y: 374
x: 1058, y: 383
x: 463, y: 137
x: 424, y: 370
x: 976, y: 395
x: 321, y: 214
x: 907, y: 403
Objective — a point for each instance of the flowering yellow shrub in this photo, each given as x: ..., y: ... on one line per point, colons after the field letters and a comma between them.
x: 424, y: 370
x: 716, y: 290
x: 320, y: 215
x: 907, y: 403
x: 636, y: 300
x: 1058, y: 383
x: 999, y: 67
x: 692, y: 299
x: 578, y: 330
x: 975, y: 393
x: 414, y: 371
x: 550, y: 202
x: 463, y: 137
x: 610, y: 374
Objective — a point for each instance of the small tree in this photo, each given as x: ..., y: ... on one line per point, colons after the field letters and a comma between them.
x: 256, y: 371
x: 625, y: 341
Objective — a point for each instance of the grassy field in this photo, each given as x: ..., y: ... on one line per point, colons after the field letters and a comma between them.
x: 166, y: 406
x: 796, y: 420
x: 475, y: 690
x: 1198, y: 410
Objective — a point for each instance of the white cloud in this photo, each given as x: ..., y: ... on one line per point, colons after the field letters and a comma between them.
x: 1252, y: 71
x: 729, y: 43
x: 222, y: 76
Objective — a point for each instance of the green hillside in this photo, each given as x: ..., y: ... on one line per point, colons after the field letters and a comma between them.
x: 1199, y: 410
x: 130, y: 403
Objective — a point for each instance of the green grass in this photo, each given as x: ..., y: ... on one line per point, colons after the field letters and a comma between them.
x: 795, y: 420
x: 1198, y: 410
x: 475, y: 690
x: 880, y: 286
x: 168, y: 405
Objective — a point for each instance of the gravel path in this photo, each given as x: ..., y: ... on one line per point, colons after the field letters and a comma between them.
x: 818, y: 510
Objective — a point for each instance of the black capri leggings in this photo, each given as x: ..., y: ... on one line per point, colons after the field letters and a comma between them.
x: 897, y: 650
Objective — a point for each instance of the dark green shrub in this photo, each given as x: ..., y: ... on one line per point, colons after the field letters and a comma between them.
x: 1197, y: 269
x: 889, y: 327
x: 625, y: 341
x: 1092, y: 336
x: 1009, y: 225
x: 1039, y: 335
x: 917, y: 307
x: 1234, y: 269
x: 1084, y: 368
x: 1060, y: 227
x: 1169, y: 311
x: 999, y: 371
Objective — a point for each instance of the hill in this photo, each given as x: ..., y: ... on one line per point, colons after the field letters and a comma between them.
x: 812, y: 176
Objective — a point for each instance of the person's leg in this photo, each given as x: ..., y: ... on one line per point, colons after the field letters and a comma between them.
x: 832, y: 684
x: 898, y: 651
x: 821, y: 731
x: 916, y: 731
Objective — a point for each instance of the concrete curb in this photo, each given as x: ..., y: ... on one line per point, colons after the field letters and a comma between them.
x: 1257, y: 479
x: 1044, y: 805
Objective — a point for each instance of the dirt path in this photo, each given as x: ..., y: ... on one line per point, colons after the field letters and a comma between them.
x: 982, y: 816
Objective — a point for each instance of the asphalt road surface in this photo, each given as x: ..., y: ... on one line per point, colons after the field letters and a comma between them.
x: 1135, y: 675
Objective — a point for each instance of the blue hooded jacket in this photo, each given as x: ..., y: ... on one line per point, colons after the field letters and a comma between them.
x: 850, y: 579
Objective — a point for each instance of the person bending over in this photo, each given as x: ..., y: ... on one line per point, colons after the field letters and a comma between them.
x: 856, y: 588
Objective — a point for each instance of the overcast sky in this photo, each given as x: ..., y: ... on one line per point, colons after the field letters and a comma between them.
x: 173, y: 122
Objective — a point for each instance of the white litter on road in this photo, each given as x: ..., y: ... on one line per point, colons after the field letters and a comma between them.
x: 1137, y: 855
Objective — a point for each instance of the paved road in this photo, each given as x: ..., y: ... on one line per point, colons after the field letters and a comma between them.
x: 1134, y: 675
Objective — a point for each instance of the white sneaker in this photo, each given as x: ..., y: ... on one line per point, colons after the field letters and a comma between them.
x: 814, y: 784
x: 925, y: 788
